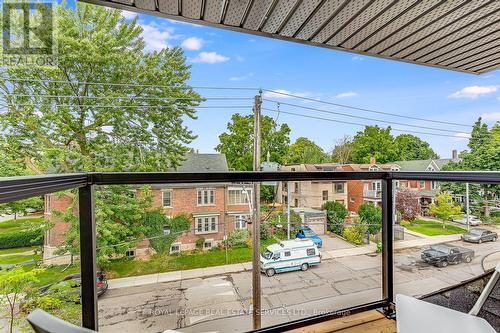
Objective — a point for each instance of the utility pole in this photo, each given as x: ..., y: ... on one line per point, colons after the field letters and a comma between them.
x: 467, y: 205
x: 288, y: 198
x: 256, y: 290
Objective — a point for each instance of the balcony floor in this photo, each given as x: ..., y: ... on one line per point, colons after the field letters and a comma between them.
x: 366, y: 322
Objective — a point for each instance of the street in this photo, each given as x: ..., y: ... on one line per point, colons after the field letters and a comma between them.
x: 223, y: 302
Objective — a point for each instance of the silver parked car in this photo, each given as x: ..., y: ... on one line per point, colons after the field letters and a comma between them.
x: 477, y: 235
x: 473, y: 220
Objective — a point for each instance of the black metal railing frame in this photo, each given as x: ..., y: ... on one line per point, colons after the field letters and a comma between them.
x: 16, y: 188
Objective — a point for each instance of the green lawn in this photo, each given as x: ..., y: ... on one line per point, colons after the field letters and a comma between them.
x: 19, y: 224
x: 157, y: 264
x: 434, y: 228
x: 14, y: 259
x: 18, y: 250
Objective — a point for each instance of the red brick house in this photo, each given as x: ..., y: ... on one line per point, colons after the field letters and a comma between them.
x: 216, y: 209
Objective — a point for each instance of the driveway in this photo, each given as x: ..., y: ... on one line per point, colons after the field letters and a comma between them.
x: 223, y: 302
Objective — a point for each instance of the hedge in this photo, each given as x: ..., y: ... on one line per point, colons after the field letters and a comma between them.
x: 21, y: 239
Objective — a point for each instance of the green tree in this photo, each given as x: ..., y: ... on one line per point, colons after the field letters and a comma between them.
x: 155, y: 224
x: 376, y: 142
x: 483, y: 154
x: 237, y: 142
x: 335, y: 213
x: 133, y: 120
x: 372, y: 216
x: 409, y: 147
x: 13, y: 285
x: 443, y: 207
x: 304, y: 150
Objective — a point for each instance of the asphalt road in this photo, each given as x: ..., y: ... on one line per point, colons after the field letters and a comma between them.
x: 223, y: 302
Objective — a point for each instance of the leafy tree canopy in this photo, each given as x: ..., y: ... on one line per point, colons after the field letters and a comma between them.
x: 443, y: 207
x: 372, y: 216
x: 237, y: 142
x: 376, y: 142
x: 304, y: 150
x: 409, y: 147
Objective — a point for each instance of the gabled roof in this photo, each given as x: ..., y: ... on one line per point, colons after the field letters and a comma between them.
x: 458, y: 35
x: 203, y: 163
x: 423, y: 165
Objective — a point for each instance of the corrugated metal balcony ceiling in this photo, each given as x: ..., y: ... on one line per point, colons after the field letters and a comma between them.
x: 461, y: 35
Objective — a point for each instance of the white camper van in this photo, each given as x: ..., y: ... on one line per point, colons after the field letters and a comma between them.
x: 289, y: 255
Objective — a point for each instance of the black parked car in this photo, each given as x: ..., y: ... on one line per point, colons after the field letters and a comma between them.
x: 477, y: 235
x: 75, y: 281
x: 441, y: 255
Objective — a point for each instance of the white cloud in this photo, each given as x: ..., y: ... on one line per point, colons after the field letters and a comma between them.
x: 241, y: 78
x: 209, y: 58
x: 357, y: 58
x: 474, y: 91
x: 128, y: 15
x: 282, y: 93
x: 156, y: 36
x: 192, y: 43
x: 494, y: 116
x: 346, y: 94
x: 461, y: 136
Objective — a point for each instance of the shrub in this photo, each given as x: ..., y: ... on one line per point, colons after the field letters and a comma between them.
x: 264, y: 231
x: 335, y: 213
x: 371, y: 216
x: 408, y: 204
x: 355, y: 233
x: 404, y: 223
x: 238, y: 237
x: 21, y: 238
x: 200, y: 242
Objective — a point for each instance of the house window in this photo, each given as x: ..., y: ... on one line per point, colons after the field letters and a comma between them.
x: 394, y: 168
x: 167, y: 198
x: 175, y: 248
x: 239, y: 196
x: 434, y: 185
x: 296, y: 202
x: 296, y: 187
x: 240, y: 221
x: 293, y: 169
x: 206, y: 224
x: 352, y: 199
x: 422, y: 184
x: 325, y: 195
x: 206, y: 197
x: 373, y: 168
x: 339, y: 187
x: 166, y: 230
x: 207, y: 245
x: 130, y: 253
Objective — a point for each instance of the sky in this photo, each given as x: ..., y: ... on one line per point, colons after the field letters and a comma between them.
x: 225, y: 58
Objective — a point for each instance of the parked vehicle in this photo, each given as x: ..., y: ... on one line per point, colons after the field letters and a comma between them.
x: 478, y: 235
x: 75, y: 281
x: 462, y: 219
x: 306, y: 232
x: 441, y: 255
x: 289, y: 255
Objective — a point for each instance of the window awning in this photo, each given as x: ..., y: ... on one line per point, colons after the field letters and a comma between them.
x: 462, y: 35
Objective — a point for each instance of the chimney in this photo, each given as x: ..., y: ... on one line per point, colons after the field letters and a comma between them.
x: 454, y: 154
x: 373, y: 160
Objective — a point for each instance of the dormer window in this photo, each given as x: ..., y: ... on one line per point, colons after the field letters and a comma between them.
x: 394, y: 168
x: 373, y: 168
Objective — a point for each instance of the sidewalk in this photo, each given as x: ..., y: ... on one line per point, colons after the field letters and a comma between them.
x: 247, y: 266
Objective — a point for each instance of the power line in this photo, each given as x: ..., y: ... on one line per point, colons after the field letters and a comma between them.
x: 142, y: 106
x: 131, y: 84
x: 357, y: 124
x: 135, y: 97
x: 363, y: 109
x: 360, y: 117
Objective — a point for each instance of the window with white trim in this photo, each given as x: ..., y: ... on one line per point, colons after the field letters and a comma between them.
x: 339, y: 187
x: 434, y: 185
x: 238, y: 196
x: 175, y: 248
x: 206, y: 197
x: 207, y: 244
x: 166, y: 230
x: 240, y: 221
x: 422, y: 184
x: 373, y: 168
x: 206, y: 224
x: 130, y: 253
x: 325, y: 195
x: 166, y: 198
